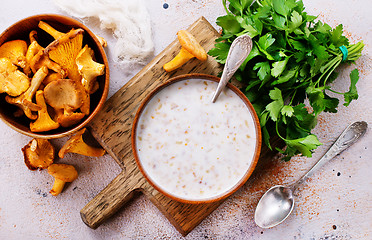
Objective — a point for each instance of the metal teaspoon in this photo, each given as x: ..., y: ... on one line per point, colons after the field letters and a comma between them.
x: 239, y: 51
x: 277, y: 203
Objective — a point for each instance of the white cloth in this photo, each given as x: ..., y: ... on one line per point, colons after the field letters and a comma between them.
x: 128, y: 19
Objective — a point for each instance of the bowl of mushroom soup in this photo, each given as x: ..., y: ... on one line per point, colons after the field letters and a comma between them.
x: 193, y: 150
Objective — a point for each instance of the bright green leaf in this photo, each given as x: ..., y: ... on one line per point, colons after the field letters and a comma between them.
x: 352, y: 93
x: 251, y: 31
x: 278, y: 67
x: 279, y: 20
x: 254, y: 53
x: 296, y: 21
x: 298, y: 45
x: 266, y: 41
x: 287, y: 111
x: 304, y: 145
x: 286, y: 76
x: 229, y: 23
x: 220, y: 51
x: 276, y: 105
x: 320, y: 52
x: 280, y: 7
x: 263, y: 69
x: 336, y: 37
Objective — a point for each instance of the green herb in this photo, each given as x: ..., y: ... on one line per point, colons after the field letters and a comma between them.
x: 293, y: 59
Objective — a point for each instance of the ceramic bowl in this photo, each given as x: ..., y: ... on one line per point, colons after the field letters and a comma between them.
x: 165, y: 163
x: 21, y: 30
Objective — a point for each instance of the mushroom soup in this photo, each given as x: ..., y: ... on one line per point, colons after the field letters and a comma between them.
x: 192, y: 148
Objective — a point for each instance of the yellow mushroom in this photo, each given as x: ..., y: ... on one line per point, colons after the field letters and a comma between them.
x: 38, y: 154
x: 50, y: 30
x: 51, y: 78
x: 40, y: 59
x: 77, y: 145
x: 15, y: 50
x: 32, y: 50
x: 67, y: 119
x: 89, y: 69
x: 102, y: 41
x: 36, y: 58
x: 44, y: 122
x: 62, y: 173
x: 24, y: 101
x: 64, y: 50
x: 12, y: 81
x: 190, y: 48
x: 65, y: 96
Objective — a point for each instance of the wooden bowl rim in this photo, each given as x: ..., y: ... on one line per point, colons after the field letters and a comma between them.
x: 105, y: 90
x: 250, y: 168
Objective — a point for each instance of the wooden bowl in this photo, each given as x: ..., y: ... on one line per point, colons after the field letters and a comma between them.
x: 21, y: 30
x: 238, y: 182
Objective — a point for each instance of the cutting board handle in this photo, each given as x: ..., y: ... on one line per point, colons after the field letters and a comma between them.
x: 111, y: 198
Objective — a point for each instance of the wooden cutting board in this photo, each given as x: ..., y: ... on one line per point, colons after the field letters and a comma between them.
x: 112, y: 129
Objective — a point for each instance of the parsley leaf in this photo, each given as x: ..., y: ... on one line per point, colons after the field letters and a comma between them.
x: 280, y: 7
x: 276, y: 105
x: 303, y: 145
x: 229, y: 24
x: 296, y: 21
x: 264, y: 69
x: 352, y: 93
x: 278, y: 67
x: 220, y: 51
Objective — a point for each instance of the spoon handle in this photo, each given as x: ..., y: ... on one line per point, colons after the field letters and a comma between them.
x: 349, y: 136
x: 239, y: 51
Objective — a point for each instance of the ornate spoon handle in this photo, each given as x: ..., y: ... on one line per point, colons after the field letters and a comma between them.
x: 349, y: 136
x: 239, y: 51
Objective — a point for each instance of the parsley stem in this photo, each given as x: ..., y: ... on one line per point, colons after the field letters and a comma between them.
x: 330, y: 65
x: 294, y: 94
x: 331, y: 71
x: 224, y: 5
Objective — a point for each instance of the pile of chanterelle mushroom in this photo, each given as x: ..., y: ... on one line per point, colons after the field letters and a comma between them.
x: 51, y: 86
x: 61, y: 76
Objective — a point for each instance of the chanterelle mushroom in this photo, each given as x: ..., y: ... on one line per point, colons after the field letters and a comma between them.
x: 44, y: 122
x: 190, y: 48
x: 64, y: 50
x: 67, y: 119
x: 77, y: 145
x: 36, y: 58
x: 102, y: 41
x: 62, y: 173
x: 15, y: 50
x: 24, y: 101
x: 88, y: 68
x: 32, y: 50
x: 40, y: 59
x: 63, y: 94
x: 49, y: 29
x: 38, y: 154
x: 12, y: 81
x: 51, y: 78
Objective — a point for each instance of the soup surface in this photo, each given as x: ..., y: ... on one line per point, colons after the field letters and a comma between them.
x: 192, y: 148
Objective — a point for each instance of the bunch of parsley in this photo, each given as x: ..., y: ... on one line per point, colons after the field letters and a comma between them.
x: 293, y: 59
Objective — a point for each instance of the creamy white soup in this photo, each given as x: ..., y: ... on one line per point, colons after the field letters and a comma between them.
x: 192, y: 148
